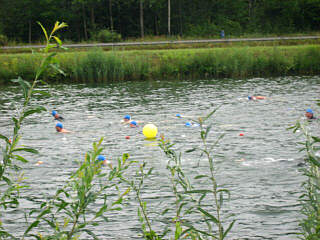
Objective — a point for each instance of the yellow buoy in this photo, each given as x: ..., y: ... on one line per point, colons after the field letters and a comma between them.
x: 150, y: 131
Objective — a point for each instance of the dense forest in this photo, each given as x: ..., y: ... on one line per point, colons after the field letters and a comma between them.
x: 140, y: 18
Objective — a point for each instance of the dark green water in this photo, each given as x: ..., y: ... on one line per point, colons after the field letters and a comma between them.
x: 260, y: 168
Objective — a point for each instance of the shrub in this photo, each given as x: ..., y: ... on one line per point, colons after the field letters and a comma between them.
x: 106, y: 36
x: 3, y: 40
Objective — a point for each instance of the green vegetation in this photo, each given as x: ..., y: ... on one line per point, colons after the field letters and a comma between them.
x: 310, y: 225
x: 148, y: 18
x: 237, y: 62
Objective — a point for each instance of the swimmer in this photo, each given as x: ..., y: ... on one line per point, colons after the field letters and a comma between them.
x: 59, y: 128
x: 127, y: 119
x: 192, y: 124
x: 133, y: 124
x: 309, y: 114
x: 56, y: 116
x: 103, y: 160
x: 256, y: 97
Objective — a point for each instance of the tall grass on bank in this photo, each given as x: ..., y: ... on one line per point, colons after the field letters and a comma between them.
x: 241, y: 62
x: 310, y: 225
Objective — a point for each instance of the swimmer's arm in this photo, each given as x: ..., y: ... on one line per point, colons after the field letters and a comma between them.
x: 65, y: 131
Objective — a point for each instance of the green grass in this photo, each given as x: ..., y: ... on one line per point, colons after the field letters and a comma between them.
x: 111, y: 66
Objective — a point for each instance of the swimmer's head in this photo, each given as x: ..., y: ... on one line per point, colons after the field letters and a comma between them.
x: 178, y: 115
x: 133, y: 124
x: 101, y: 158
x: 249, y: 98
x: 59, y: 126
x: 309, y: 111
x: 54, y: 113
x: 127, y: 118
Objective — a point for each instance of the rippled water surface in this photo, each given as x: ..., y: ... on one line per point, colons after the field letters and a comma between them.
x: 260, y: 168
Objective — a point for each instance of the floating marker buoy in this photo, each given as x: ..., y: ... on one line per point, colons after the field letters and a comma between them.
x: 150, y: 131
x: 127, y: 137
x: 188, y: 124
x: 241, y: 134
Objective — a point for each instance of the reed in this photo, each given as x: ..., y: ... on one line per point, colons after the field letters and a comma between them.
x: 310, y: 199
x: 238, y: 62
x: 188, y: 205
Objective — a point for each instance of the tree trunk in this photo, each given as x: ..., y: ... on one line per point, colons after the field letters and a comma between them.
x: 30, y: 32
x: 84, y: 23
x: 141, y: 19
x: 110, y: 14
x: 169, y: 17
x: 180, y: 17
x: 93, y: 23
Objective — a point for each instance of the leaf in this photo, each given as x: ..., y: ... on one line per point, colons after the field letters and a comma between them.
x: 7, y: 180
x: 59, y: 70
x: 210, y: 114
x: 24, y: 84
x: 316, y: 139
x: 44, y: 31
x: 200, y: 176
x: 57, y: 40
x: 213, y: 218
x: 4, y: 138
x: 21, y: 159
x: 191, y: 150
x: 33, y: 225
x: 31, y: 150
x: 38, y: 109
x: 165, y: 211
x: 43, y: 93
x: 314, y: 161
x: 178, y: 230
x: 101, y: 211
x: 228, y: 229
x: 198, y: 191
x: 44, y: 213
x: 89, y: 232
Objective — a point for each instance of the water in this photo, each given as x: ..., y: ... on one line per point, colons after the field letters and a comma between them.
x: 260, y: 168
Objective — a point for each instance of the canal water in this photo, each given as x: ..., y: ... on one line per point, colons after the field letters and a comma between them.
x: 258, y: 159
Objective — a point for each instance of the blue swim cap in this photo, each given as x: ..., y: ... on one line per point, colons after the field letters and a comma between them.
x: 178, y: 115
x: 101, y: 158
x: 188, y: 124
x: 249, y: 97
x: 134, y: 123
x: 54, y: 113
x: 59, y: 125
x: 127, y: 117
x: 309, y: 111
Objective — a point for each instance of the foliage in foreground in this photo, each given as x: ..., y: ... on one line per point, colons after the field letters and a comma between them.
x: 310, y: 200
x: 189, y: 205
x: 72, y: 210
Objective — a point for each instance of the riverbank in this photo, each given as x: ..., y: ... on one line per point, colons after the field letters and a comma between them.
x: 237, y: 62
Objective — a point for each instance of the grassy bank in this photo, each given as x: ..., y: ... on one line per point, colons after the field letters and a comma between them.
x: 273, y: 43
x: 236, y: 62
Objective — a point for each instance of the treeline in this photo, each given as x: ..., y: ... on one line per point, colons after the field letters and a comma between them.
x: 138, y: 18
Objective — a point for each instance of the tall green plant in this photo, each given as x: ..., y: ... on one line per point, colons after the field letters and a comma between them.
x: 10, y: 183
x: 310, y: 199
x: 189, y: 202
x: 72, y: 210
